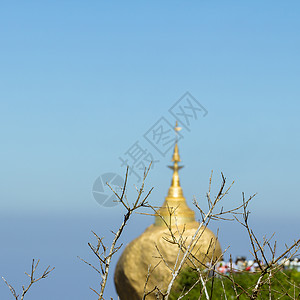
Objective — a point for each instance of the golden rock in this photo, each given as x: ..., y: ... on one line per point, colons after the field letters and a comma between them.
x: 142, y: 260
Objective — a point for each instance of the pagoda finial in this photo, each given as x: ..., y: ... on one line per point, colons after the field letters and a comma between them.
x: 176, y: 157
x: 175, y: 189
x: 175, y: 198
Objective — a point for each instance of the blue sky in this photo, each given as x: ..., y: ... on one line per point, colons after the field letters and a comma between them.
x: 80, y: 82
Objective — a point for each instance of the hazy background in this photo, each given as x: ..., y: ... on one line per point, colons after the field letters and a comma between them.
x: 82, y: 81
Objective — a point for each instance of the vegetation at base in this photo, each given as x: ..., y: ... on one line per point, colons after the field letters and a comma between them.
x: 284, y: 285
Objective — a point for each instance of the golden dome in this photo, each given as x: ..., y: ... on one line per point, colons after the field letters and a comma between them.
x: 145, y: 252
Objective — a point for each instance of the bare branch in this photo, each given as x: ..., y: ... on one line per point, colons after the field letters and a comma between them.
x: 33, y: 280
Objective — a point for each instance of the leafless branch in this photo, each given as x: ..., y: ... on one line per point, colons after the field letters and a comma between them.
x: 100, y: 250
x: 33, y: 280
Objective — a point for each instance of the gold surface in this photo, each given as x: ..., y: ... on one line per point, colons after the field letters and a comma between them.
x: 132, y: 267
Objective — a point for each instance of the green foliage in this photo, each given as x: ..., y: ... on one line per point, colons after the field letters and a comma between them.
x: 284, y: 285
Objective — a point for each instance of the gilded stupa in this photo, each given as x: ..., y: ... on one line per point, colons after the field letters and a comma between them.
x: 143, y: 255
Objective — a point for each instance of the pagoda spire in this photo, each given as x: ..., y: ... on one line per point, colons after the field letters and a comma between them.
x: 175, y: 189
x: 175, y: 199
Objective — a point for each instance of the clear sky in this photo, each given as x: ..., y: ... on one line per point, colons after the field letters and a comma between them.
x: 82, y: 81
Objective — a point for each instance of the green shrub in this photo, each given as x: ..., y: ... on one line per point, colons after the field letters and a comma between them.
x: 284, y: 285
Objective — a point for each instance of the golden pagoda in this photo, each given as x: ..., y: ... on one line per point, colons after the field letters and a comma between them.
x: 142, y: 260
